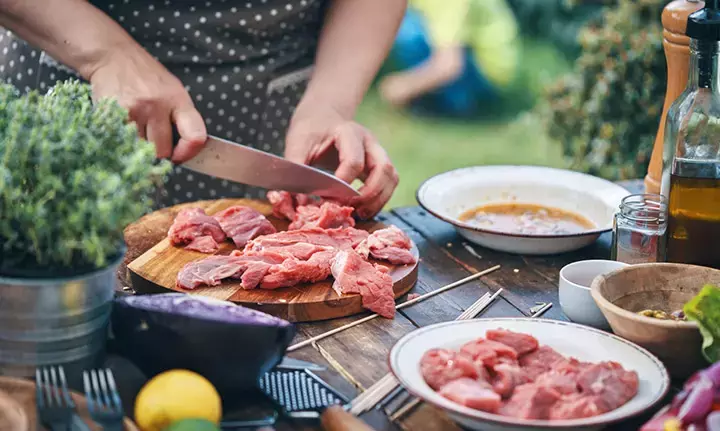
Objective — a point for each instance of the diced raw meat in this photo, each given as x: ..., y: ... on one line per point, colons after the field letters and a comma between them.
x: 192, y: 223
x: 530, y: 401
x: 282, y: 203
x: 203, y: 244
x: 294, y: 271
x: 212, y: 270
x: 506, y: 377
x: 610, y: 382
x: 540, y: 361
x: 342, y: 238
x: 242, y: 224
x: 521, y: 343
x: 441, y: 366
x: 471, y: 393
x: 578, y: 406
x: 353, y: 274
x: 328, y: 216
x: 489, y: 353
x: 390, y: 244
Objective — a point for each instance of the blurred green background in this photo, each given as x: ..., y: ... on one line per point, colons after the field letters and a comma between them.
x: 422, y: 146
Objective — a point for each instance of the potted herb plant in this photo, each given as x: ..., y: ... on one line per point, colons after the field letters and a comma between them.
x: 73, y: 174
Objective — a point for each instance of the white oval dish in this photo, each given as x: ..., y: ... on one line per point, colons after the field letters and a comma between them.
x: 449, y: 194
x: 581, y: 342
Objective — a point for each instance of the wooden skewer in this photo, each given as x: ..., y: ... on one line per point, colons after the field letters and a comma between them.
x: 398, y: 307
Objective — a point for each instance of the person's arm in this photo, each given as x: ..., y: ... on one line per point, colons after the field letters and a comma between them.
x: 354, y: 42
x: 85, y: 39
x: 74, y: 32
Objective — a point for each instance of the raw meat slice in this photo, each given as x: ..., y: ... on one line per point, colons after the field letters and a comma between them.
x: 203, y: 244
x: 282, y: 204
x: 506, y: 377
x: 577, y: 406
x: 489, y: 353
x: 471, y: 393
x: 212, y: 270
x: 441, y: 366
x: 540, y: 361
x: 521, y: 343
x: 294, y: 271
x: 242, y: 224
x: 610, y: 382
x: 342, y: 238
x: 192, y: 223
x: 353, y: 274
x: 328, y: 216
x: 390, y: 244
x: 530, y: 401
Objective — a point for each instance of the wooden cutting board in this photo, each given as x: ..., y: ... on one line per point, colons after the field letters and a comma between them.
x: 156, y: 270
x: 23, y: 393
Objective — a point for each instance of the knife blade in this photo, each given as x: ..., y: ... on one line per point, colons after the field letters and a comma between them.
x: 297, y: 364
x: 241, y: 164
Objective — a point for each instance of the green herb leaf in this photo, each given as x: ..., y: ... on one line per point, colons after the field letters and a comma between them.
x: 705, y: 310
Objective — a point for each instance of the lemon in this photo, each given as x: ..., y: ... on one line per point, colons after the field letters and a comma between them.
x: 176, y: 395
x: 192, y: 425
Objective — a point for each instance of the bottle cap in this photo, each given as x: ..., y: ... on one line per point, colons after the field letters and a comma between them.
x: 705, y: 23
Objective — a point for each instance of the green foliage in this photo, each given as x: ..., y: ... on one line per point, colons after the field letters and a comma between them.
x: 606, y: 112
x: 73, y: 174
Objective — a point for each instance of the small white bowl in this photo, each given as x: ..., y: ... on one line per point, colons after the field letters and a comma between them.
x: 450, y: 194
x: 581, y: 342
x: 576, y: 299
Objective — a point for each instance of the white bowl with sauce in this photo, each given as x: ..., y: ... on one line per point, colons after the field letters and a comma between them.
x: 523, y: 209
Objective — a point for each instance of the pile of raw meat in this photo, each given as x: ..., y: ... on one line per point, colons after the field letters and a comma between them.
x: 320, y: 242
x: 508, y: 373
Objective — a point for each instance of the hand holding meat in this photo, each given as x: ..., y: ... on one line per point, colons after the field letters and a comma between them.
x: 155, y: 99
x: 323, y: 137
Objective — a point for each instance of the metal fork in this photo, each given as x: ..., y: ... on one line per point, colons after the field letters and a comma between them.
x: 103, y: 399
x: 55, y: 406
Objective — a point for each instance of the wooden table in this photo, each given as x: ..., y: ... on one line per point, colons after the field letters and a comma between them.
x: 357, y: 358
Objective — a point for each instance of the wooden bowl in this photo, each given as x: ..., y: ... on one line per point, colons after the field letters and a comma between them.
x: 621, y: 294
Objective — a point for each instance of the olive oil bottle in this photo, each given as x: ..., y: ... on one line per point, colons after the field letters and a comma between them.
x: 691, y: 157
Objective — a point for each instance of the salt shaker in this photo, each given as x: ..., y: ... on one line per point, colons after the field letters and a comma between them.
x: 639, y: 229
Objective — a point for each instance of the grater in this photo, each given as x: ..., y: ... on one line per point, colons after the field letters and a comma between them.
x: 300, y: 393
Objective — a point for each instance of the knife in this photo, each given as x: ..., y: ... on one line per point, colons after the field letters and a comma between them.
x: 297, y: 364
x: 241, y: 164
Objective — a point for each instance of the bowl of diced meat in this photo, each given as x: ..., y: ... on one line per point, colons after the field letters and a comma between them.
x: 528, y: 374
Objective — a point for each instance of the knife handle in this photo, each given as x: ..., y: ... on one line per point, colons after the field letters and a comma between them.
x: 335, y: 418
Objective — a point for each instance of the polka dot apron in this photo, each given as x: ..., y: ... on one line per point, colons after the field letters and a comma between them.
x: 245, y: 64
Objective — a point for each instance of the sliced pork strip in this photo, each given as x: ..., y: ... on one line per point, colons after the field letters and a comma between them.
x: 441, y: 366
x: 329, y: 215
x: 471, y: 393
x: 242, y: 224
x: 390, y: 244
x: 609, y: 381
x: 353, y: 274
x: 203, y: 244
x: 506, y: 377
x: 282, y: 203
x: 540, y: 361
x: 209, y: 271
x: 521, y: 343
x: 294, y: 271
x: 342, y: 238
x: 530, y: 401
x: 577, y: 406
x: 191, y: 223
x: 488, y: 352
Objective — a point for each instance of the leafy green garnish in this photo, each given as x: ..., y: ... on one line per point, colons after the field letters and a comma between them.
x: 705, y: 310
x: 73, y: 174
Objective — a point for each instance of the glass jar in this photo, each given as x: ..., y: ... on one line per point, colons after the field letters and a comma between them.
x: 639, y: 229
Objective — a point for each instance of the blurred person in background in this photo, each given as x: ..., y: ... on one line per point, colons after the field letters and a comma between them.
x: 283, y: 76
x: 452, y: 55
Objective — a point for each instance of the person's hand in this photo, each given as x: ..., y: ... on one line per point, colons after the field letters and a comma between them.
x: 321, y: 136
x: 155, y: 99
x: 395, y: 91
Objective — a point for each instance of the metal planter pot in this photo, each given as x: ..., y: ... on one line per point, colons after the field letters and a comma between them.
x: 62, y: 321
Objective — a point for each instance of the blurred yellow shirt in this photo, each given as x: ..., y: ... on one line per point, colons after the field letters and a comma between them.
x: 488, y: 27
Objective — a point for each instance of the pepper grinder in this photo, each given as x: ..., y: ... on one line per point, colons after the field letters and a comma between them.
x: 691, y: 157
x: 677, y: 53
